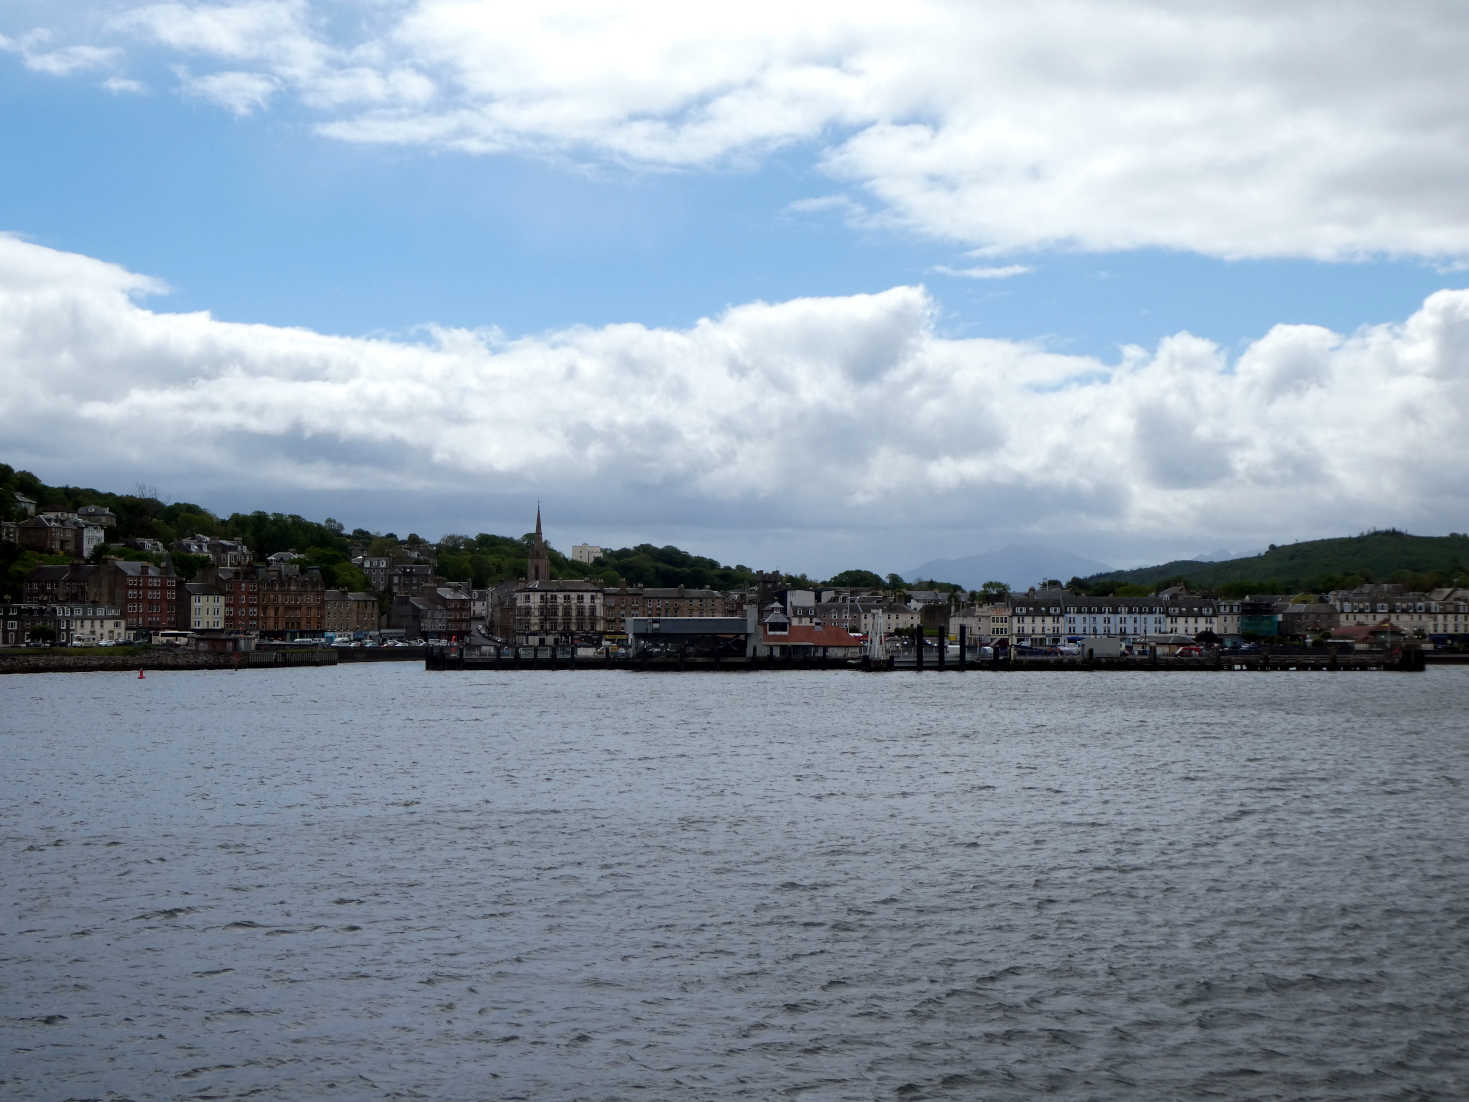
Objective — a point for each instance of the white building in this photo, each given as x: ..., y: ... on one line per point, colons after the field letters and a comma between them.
x: 206, y: 606
x: 1051, y: 617
x: 585, y: 552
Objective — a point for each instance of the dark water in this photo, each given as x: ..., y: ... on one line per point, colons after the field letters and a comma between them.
x: 373, y: 882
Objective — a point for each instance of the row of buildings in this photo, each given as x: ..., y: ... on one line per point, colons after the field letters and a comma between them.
x: 1051, y: 617
x: 117, y: 599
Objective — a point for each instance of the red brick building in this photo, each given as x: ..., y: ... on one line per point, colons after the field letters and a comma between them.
x: 145, y: 594
x: 240, y: 587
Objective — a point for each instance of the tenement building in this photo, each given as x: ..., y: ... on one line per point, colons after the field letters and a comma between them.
x: 292, y: 602
x: 620, y: 602
x: 556, y: 611
x: 1050, y: 617
x: 345, y: 613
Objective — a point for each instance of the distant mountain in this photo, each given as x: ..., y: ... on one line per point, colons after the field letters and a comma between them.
x: 1018, y: 567
x: 1223, y: 555
x: 1315, y: 565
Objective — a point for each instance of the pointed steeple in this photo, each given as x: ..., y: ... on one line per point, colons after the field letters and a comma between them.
x: 538, y: 569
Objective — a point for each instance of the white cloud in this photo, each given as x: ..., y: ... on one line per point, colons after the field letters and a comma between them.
x: 824, y: 204
x: 123, y: 86
x: 1313, y: 129
x: 62, y: 61
x: 1007, y: 271
x: 814, y: 415
x: 250, y: 32
x: 238, y: 93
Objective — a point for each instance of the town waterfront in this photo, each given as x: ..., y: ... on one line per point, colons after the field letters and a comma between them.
x: 372, y: 881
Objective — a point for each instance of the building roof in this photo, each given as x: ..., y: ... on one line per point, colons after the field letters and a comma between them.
x: 1361, y: 633
x: 129, y: 566
x: 809, y: 635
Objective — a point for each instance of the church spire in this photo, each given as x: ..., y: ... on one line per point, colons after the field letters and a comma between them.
x: 538, y: 568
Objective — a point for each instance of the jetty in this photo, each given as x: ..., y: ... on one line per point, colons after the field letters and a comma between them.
x: 1408, y: 659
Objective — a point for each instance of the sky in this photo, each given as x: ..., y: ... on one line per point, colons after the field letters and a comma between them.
x: 804, y: 287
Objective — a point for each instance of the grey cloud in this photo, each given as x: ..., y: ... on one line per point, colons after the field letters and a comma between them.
x: 770, y: 418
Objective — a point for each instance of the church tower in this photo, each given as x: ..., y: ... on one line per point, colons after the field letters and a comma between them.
x: 539, y: 567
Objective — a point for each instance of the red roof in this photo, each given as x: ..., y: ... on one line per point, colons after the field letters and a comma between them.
x: 1361, y: 633
x: 803, y: 635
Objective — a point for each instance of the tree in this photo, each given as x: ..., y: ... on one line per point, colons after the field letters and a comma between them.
x: 856, y: 579
x: 43, y: 633
x: 186, y: 566
x: 994, y: 591
x: 343, y: 575
x: 16, y: 565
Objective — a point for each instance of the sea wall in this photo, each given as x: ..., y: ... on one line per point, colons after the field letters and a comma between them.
x: 58, y: 661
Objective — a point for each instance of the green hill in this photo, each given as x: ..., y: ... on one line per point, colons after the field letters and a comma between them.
x: 482, y: 560
x: 1419, y: 562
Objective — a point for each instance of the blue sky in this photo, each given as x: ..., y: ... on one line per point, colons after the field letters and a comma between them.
x: 814, y: 289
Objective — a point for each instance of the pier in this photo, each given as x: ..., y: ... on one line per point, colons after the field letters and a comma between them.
x: 1406, y: 660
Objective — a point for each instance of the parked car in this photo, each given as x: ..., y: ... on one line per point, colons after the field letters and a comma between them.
x: 1190, y: 652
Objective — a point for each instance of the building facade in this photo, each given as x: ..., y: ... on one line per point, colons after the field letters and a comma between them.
x: 146, y: 594
x: 556, y: 611
x: 64, y: 624
x: 1051, y: 617
x: 206, y: 606
x: 292, y: 602
x: 345, y: 613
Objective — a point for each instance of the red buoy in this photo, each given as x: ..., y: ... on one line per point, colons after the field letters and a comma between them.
x: 140, y: 675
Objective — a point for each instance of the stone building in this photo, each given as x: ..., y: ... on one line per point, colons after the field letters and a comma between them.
x: 146, y: 594
x: 555, y: 611
x: 345, y: 613
x: 206, y: 606
x: 240, y: 588
x: 64, y: 623
x: 48, y: 584
x: 59, y: 534
x: 292, y: 602
x: 620, y: 602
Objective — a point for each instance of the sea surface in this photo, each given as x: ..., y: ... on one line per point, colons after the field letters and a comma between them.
x: 375, y: 882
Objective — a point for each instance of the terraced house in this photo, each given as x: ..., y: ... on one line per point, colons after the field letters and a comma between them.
x: 1441, y: 615
x: 1050, y: 617
x: 292, y: 602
